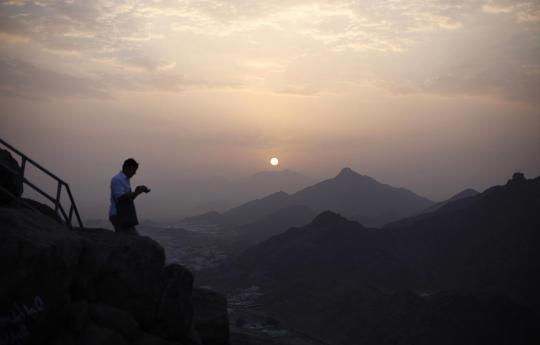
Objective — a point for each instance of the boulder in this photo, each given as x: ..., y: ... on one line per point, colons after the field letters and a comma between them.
x: 95, y: 334
x: 36, y: 206
x: 77, y: 316
x: 118, y: 320
x: 93, y: 286
x: 175, y: 311
x: 149, y: 339
x: 211, y: 317
x: 11, y: 181
x: 122, y: 271
x: 38, y: 262
x: 11, y: 188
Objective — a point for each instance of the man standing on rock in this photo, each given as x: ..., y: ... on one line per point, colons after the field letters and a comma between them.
x: 122, y: 213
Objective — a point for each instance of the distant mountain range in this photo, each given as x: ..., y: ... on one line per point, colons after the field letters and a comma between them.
x: 467, y: 193
x: 356, y: 196
x: 274, y: 224
x: 465, y: 273
x: 219, y: 194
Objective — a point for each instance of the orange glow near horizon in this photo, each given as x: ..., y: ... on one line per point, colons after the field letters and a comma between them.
x: 435, y: 96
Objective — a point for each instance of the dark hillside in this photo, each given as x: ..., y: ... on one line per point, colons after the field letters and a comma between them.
x: 465, y: 273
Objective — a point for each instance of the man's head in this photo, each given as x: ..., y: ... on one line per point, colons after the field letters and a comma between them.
x: 129, y: 168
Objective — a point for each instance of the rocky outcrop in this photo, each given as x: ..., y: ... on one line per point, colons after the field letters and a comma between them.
x: 11, y: 188
x: 211, y: 318
x: 11, y: 182
x: 36, y: 206
x: 93, y: 286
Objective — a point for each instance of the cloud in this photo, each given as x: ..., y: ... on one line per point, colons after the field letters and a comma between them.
x: 93, y: 28
x: 172, y: 45
x: 22, y: 79
x: 521, y: 11
x: 113, y: 27
x: 518, y: 84
x: 522, y: 87
x: 25, y: 80
x: 160, y: 81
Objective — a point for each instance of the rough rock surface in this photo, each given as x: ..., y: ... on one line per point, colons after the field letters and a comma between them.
x: 91, y: 286
x: 10, y: 178
x: 36, y: 206
x: 211, y: 318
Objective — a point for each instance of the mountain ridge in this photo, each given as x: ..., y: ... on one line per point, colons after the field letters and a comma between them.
x: 474, y: 256
x: 357, y: 196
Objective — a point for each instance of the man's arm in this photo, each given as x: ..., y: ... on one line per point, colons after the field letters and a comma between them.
x: 128, y: 196
x: 120, y: 192
x: 134, y: 194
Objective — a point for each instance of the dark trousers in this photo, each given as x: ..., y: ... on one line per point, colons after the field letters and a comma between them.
x: 129, y: 230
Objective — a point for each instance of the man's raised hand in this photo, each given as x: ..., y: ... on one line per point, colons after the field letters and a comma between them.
x: 142, y: 189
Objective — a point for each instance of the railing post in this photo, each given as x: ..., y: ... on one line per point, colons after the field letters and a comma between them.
x: 74, y: 206
x: 58, y: 194
x: 23, y: 165
x: 70, y: 217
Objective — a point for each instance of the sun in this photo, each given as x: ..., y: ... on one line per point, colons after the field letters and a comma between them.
x: 274, y: 161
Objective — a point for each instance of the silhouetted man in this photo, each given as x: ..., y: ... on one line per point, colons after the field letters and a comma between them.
x: 122, y: 213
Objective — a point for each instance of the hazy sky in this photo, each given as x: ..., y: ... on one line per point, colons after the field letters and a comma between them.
x: 435, y: 96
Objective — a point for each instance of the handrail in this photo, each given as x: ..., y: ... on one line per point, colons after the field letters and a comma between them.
x: 58, y: 207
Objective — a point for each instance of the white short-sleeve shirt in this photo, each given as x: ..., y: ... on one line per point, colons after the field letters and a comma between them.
x: 119, y: 186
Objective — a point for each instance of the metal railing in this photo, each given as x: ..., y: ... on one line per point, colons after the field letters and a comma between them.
x: 58, y: 207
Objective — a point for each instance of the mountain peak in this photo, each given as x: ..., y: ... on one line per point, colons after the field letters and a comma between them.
x: 464, y: 194
x: 470, y: 191
x: 280, y: 194
x: 517, y: 178
x: 347, y: 172
x: 327, y: 218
